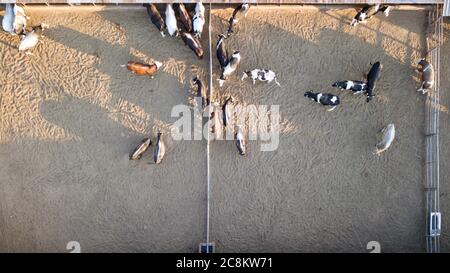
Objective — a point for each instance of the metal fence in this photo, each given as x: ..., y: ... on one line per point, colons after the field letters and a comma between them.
x: 433, y: 215
x: 226, y: 1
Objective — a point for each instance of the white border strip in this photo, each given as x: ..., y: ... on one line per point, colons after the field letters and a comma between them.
x: 208, y: 172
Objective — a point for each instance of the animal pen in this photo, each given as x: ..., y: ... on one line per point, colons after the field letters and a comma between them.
x: 437, y: 10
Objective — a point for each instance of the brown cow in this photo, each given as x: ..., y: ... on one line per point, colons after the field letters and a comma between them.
x: 143, y: 69
x: 193, y: 43
x: 427, y: 71
x: 184, y: 16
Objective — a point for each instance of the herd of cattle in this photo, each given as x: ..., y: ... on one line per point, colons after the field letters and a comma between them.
x: 191, y: 32
x: 15, y: 22
x: 368, y: 87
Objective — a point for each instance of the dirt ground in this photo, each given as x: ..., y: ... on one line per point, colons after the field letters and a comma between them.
x: 323, y: 190
x: 70, y: 115
x: 444, y: 140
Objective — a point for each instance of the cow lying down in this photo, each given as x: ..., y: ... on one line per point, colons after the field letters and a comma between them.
x: 264, y: 75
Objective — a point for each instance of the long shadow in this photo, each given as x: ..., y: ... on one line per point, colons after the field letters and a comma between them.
x: 123, y: 84
x: 274, y: 201
x: 318, y: 186
x: 113, y: 191
x: 143, y: 43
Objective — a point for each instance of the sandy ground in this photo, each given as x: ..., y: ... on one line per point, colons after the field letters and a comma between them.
x: 70, y: 115
x: 323, y: 190
x: 444, y: 140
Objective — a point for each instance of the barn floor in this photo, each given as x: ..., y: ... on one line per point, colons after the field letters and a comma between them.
x: 70, y: 115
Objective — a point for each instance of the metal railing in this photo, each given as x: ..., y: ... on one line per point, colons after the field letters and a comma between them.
x: 433, y: 216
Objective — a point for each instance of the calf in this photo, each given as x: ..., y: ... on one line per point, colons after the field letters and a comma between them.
x: 355, y: 86
x: 264, y: 75
x: 372, y: 78
x: 325, y: 99
x: 388, y: 137
x: 368, y: 11
x: 427, y: 71
x: 143, y: 69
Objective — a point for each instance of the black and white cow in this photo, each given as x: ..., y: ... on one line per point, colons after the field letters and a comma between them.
x: 160, y: 149
x: 356, y: 86
x: 201, y: 92
x: 368, y: 11
x: 264, y: 75
x: 325, y: 99
x: 193, y: 43
x: 199, y: 19
x: 372, y: 78
x: 221, y: 52
x: 239, y: 12
x: 231, y: 66
x: 427, y: 71
x: 30, y: 39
